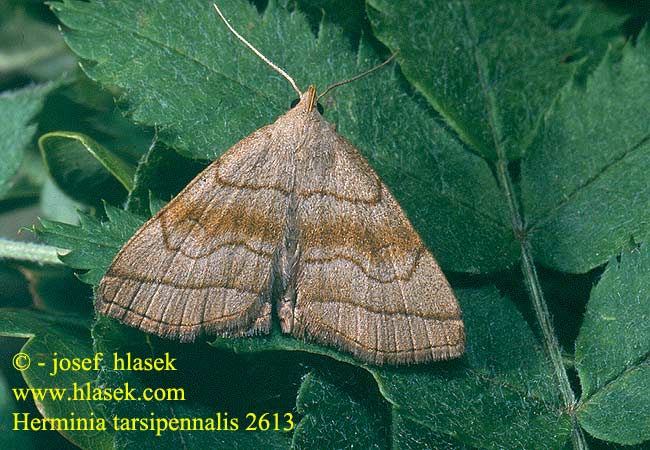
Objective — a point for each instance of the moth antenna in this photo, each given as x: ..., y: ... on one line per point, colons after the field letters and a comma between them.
x: 257, y: 52
x: 361, y: 75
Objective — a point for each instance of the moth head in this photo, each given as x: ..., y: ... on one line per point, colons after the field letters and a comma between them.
x: 310, y: 98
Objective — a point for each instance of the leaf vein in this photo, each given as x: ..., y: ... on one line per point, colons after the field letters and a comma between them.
x: 179, y: 52
x: 551, y: 213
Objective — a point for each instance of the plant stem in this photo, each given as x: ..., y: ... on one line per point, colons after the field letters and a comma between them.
x: 544, y: 319
x: 550, y: 341
x: 539, y: 304
x: 527, y: 264
x: 28, y: 252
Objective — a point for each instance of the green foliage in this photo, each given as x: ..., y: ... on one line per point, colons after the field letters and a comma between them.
x: 568, y: 169
x: 500, y: 64
x: 67, y: 337
x: 336, y: 406
x: 93, y: 243
x: 612, y: 353
x: 80, y: 164
x: 577, y: 145
x: 508, y: 131
x: 17, y: 111
x: 503, y: 385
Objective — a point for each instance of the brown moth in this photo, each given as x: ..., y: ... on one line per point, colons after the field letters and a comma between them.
x: 290, y: 222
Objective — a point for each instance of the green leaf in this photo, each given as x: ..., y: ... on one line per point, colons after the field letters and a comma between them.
x: 584, y: 181
x: 463, y: 218
x: 571, y: 203
x: 155, y: 204
x: 504, y: 384
x: 51, y: 337
x: 126, y: 141
x: 85, y: 107
x: 613, y: 353
x: 339, y: 411
x: 194, y: 111
x: 492, y: 69
x: 411, y: 435
x: 83, y: 168
x: 92, y: 244
x: 17, y: 112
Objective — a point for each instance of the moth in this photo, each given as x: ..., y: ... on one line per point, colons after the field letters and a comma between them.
x: 290, y: 224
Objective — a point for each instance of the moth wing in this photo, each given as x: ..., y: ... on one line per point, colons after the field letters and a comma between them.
x: 365, y: 281
x: 204, y: 263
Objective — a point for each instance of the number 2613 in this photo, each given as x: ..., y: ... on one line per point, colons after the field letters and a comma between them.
x: 270, y: 421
